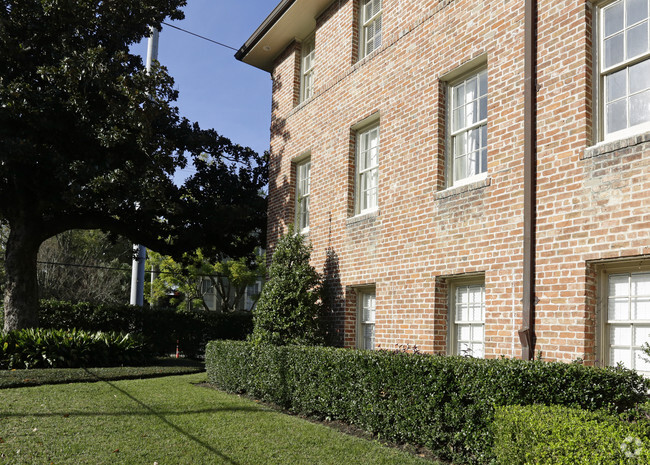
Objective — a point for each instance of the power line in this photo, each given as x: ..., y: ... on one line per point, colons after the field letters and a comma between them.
x: 200, y: 36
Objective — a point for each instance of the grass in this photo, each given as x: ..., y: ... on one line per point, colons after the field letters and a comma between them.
x: 36, y: 377
x: 167, y: 420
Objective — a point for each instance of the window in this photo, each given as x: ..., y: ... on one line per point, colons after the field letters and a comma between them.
x: 467, y: 318
x: 626, y: 319
x: 366, y: 317
x: 367, y: 169
x: 307, y: 68
x: 467, y: 157
x: 370, y: 26
x: 302, y: 195
x: 625, y: 67
x: 252, y: 294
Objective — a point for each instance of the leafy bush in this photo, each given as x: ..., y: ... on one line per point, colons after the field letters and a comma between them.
x: 444, y: 403
x: 52, y: 348
x: 161, y: 327
x: 557, y: 435
x: 289, y: 307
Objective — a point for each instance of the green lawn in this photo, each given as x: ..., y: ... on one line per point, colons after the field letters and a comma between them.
x: 169, y: 421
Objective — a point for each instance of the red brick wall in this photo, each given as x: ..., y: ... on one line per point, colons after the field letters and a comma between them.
x: 592, y: 202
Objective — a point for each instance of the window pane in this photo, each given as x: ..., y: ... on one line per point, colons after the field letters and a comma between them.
x: 470, y: 114
x: 619, y: 285
x: 623, y: 356
x: 613, y: 19
x: 482, y: 112
x: 637, y: 40
x: 616, y: 85
x: 471, y: 89
x: 464, y: 333
x: 621, y: 336
x: 639, y: 108
x: 618, y: 309
x: 641, y: 335
x: 459, y: 96
x: 637, y: 10
x: 616, y: 118
x: 369, y: 337
x: 477, y: 351
x: 641, y: 309
x: 614, y: 52
x: 640, y: 284
x: 482, y: 83
x: 640, y: 361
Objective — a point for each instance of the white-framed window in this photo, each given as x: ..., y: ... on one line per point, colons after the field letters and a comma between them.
x: 625, y: 319
x: 303, y: 171
x: 307, y: 68
x: 467, y: 154
x: 370, y: 26
x: 624, y: 67
x: 467, y: 319
x: 252, y: 294
x: 367, y: 167
x: 366, y: 319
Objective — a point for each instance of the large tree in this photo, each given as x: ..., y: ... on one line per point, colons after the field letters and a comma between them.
x: 90, y: 140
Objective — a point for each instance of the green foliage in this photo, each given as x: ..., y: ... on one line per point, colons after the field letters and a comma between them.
x: 444, y: 403
x: 85, y: 266
x: 228, y: 278
x: 89, y: 139
x: 289, y: 309
x: 161, y: 327
x: 558, y: 435
x: 54, y: 348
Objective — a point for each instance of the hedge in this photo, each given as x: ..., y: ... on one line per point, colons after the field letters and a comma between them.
x: 52, y: 348
x: 557, y: 435
x: 443, y: 403
x: 161, y: 327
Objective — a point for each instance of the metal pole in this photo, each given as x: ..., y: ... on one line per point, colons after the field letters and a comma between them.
x: 140, y: 252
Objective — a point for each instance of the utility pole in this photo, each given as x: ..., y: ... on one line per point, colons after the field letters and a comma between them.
x: 139, y: 251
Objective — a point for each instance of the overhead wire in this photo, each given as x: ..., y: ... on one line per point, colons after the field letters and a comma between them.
x: 200, y: 36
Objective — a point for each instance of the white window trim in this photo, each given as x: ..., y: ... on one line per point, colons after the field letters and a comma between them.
x: 358, y: 174
x: 605, y: 270
x: 361, y: 292
x: 299, y: 196
x: 599, y: 82
x: 453, y: 285
x: 467, y: 73
x: 306, y: 73
x: 365, y: 23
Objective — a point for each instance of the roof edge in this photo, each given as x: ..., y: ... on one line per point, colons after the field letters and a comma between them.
x: 266, y: 25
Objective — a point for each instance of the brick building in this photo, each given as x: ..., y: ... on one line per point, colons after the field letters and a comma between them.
x: 474, y: 176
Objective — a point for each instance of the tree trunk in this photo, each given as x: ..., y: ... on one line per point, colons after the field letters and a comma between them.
x: 21, y: 293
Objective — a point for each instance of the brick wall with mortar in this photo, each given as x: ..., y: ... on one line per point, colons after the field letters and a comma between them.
x: 424, y: 234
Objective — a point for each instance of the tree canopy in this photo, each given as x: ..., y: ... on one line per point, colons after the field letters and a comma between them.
x: 90, y: 140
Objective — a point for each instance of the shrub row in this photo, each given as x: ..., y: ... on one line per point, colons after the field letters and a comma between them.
x: 557, y: 435
x: 444, y: 403
x: 161, y: 327
x: 57, y: 348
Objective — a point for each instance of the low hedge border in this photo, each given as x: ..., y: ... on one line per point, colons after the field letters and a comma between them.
x: 443, y: 403
x: 558, y: 435
x: 161, y: 327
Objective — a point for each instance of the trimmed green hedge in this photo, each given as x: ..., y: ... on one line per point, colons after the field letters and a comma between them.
x: 557, y: 435
x: 56, y: 348
x: 444, y: 403
x: 161, y: 327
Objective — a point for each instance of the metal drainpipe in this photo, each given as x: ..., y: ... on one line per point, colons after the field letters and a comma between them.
x: 527, y: 332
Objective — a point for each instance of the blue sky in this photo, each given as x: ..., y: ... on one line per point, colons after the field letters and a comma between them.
x: 216, y: 90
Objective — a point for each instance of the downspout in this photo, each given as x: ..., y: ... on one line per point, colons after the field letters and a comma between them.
x: 527, y: 332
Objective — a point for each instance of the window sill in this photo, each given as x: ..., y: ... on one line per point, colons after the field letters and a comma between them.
x: 367, y: 217
x: 458, y: 190
x: 606, y: 147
